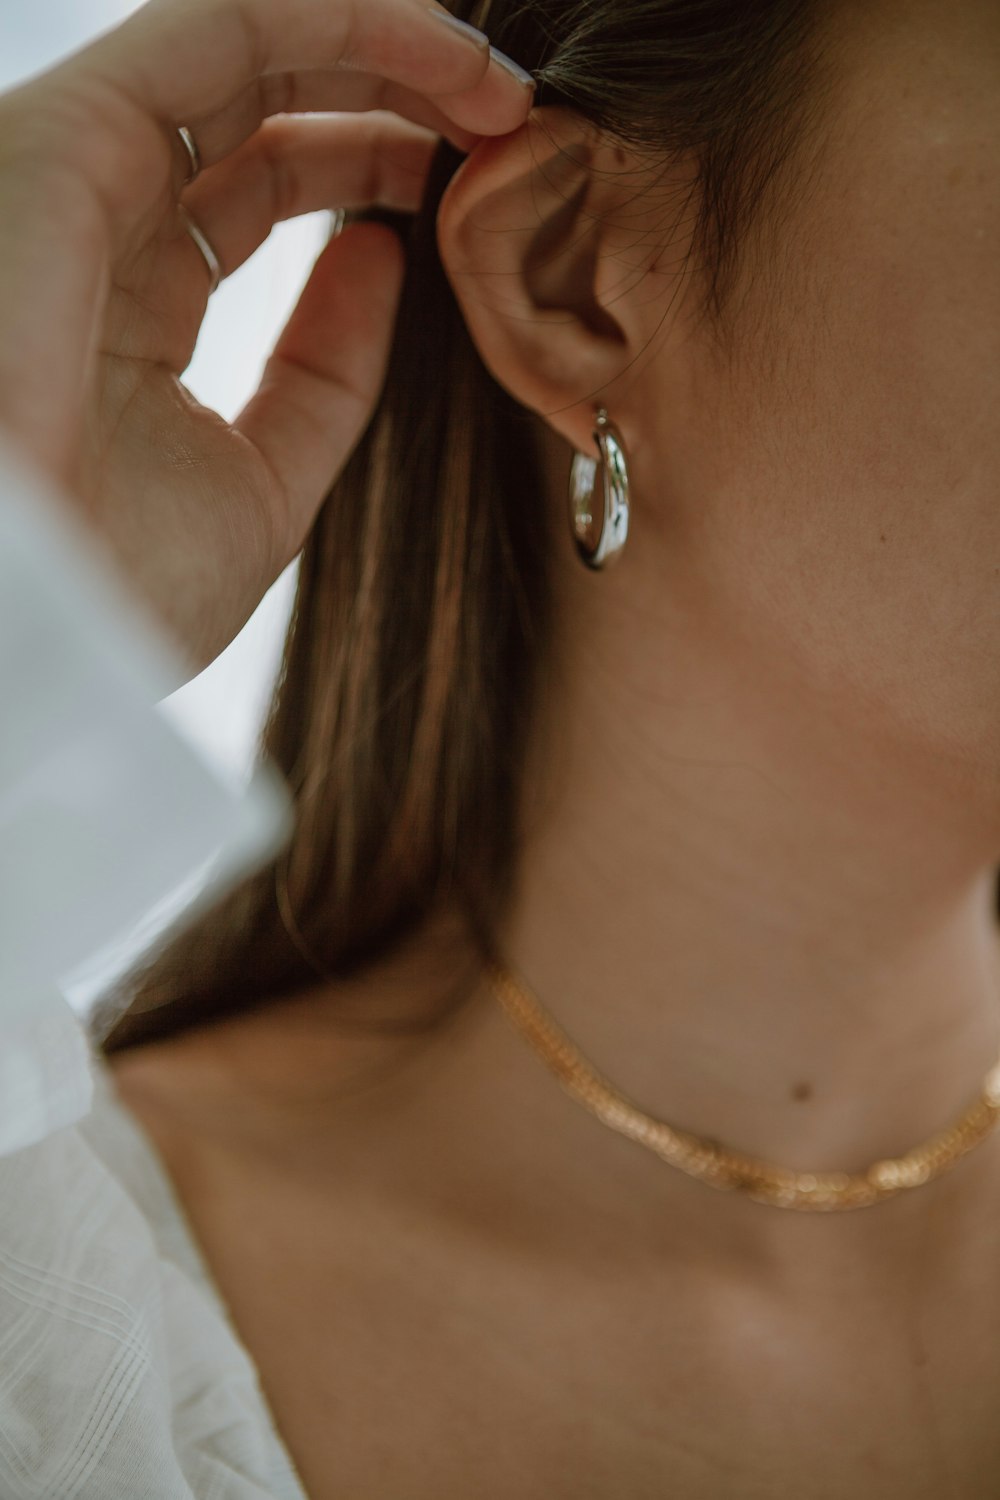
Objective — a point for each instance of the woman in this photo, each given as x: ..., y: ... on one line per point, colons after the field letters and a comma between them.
x: 724, y: 806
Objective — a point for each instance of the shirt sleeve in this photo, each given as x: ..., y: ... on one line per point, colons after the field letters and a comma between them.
x: 105, y: 808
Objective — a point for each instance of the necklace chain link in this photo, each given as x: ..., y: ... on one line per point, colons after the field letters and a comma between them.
x: 731, y: 1171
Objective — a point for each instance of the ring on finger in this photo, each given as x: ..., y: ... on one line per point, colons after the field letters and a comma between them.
x: 208, y: 254
x: 194, y: 155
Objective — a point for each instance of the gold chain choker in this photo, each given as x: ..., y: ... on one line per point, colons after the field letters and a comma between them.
x: 730, y: 1171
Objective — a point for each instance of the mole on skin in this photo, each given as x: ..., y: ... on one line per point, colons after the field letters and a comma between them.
x: 802, y: 1091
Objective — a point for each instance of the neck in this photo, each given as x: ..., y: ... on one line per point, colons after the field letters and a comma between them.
x: 758, y: 908
x: 769, y: 920
x: 759, y: 912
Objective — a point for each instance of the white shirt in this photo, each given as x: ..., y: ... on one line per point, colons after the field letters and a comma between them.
x: 121, y: 1375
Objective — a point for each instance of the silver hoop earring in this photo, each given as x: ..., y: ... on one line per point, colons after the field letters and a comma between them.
x: 609, y: 477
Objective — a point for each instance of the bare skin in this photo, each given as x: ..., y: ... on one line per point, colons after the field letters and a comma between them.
x: 442, y: 1315
x: 757, y: 888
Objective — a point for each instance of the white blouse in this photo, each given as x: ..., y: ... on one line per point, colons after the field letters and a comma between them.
x: 121, y: 1375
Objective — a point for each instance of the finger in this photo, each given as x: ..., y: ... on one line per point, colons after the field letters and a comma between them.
x: 299, y: 165
x: 322, y: 382
x: 318, y: 93
x: 186, y: 61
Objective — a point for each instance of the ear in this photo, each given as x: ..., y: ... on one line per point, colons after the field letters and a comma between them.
x: 563, y: 259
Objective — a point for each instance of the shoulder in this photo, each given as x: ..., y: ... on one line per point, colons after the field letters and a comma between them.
x: 187, y: 1083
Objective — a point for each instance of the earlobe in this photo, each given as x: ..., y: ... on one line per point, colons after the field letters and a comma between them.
x: 527, y: 237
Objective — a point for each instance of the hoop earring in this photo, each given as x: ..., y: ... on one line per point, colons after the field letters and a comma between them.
x: 611, y: 473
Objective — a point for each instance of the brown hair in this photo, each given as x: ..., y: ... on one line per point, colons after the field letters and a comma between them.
x: 423, y: 628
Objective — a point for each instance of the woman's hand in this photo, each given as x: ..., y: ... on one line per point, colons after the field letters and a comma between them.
x: 103, y: 290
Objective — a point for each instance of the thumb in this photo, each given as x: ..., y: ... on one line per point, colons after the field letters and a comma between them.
x: 322, y: 382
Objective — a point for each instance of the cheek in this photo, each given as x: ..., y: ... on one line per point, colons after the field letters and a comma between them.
x: 852, y: 511
x: 849, y: 524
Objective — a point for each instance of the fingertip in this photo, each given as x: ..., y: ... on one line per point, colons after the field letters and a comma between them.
x: 370, y: 234
x: 521, y: 76
x: 471, y: 35
x: 360, y: 277
x: 500, y: 93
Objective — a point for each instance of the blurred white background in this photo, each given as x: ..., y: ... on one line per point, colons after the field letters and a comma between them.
x: 223, y: 708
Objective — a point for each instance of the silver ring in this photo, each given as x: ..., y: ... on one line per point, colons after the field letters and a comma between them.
x: 194, y: 155
x: 208, y: 254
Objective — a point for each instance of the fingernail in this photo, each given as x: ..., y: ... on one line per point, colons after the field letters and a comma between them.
x: 512, y: 68
x: 480, y: 39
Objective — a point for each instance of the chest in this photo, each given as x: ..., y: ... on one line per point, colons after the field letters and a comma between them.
x: 399, y: 1362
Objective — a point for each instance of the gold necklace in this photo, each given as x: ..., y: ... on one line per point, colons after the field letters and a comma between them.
x: 730, y: 1171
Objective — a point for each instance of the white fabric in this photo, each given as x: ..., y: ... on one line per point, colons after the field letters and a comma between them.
x: 121, y: 1377
x: 104, y: 808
